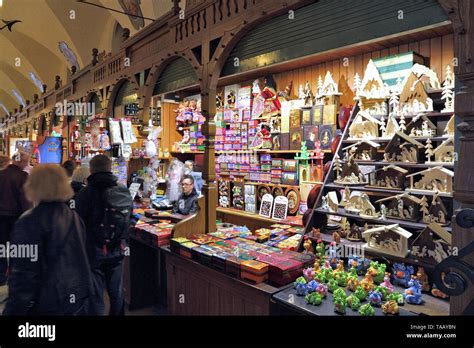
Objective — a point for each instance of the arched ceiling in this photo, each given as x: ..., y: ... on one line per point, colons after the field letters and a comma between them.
x: 45, y: 23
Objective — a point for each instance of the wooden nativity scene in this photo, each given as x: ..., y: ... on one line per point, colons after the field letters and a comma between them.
x: 432, y: 180
x: 402, y: 148
x: 359, y: 204
x: 443, y: 153
x: 433, y: 244
x: 435, y: 211
x: 363, y: 150
x: 390, y: 177
x: 387, y: 239
x: 348, y: 172
x: 364, y: 126
x: 421, y: 126
x: 403, y: 207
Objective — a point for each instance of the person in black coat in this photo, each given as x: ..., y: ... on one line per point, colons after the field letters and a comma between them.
x: 79, y: 178
x: 187, y: 202
x: 53, y: 276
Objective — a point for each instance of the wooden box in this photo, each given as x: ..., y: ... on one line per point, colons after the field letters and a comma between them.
x: 186, y: 249
x: 282, y: 271
x: 232, y: 266
x: 296, y: 136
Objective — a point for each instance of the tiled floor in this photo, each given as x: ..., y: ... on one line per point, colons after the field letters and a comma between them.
x: 149, y: 311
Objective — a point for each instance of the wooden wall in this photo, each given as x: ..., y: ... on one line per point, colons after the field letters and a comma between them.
x: 438, y: 51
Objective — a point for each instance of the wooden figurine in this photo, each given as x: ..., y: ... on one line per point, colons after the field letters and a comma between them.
x: 433, y: 244
x: 330, y: 90
x: 402, y: 148
x: 428, y: 77
x: 421, y: 126
x: 363, y: 150
x: 437, y: 212
x: 345, y: 196
x: 444, y: 153
x: 402, y: 206
x: 332, y: 200
x: 336, y: 237
x: 337, y: 166
x: 448, y: 91
x: 355, y: 234
x: 364, y: 126
x: 423, y: 279
x: 316, y: 233
x: 390, y: 128
x: 359, y: 203
x: 436, y: 179
x: 390, y: 177
x: 308, y: 95
x: 351, y: 174
x: 388, y: 239
x: 449, y: 129
x: 345, y: 227
x: 372, y: 89
x: 413, y: 98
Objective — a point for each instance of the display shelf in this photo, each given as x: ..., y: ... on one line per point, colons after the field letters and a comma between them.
x: 288, y: 297
x: 148, y: 158
x: 246, y: 214
x: 405, y: 164
x: 381, y: 191
x: 387, y: 221
x: 269, y: 184
x: 187, y: 152
x: 386, y: 140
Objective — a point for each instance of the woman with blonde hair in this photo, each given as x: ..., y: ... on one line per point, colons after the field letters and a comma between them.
x: 79, y: 178
x: 56, y: 278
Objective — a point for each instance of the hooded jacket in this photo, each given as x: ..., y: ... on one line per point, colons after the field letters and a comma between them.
x: 12, y: 197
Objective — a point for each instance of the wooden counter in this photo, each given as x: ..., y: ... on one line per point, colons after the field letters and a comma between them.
x: 195, y: 289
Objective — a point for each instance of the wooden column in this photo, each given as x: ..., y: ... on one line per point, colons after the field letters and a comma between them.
x: 461, y: 13
x: 208, y: 106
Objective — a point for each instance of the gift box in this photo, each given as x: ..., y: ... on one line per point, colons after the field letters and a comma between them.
x: 186, y: 249
x: 204, y: 239
x: 290, y: 165
x: 232, y: 266
x: 218, y: 260
x: 289, y: 178
x: 254, y: 271
x: 175, y: 243
x: 296, y: 136
x: 265, y: 158
x: 282, y: 271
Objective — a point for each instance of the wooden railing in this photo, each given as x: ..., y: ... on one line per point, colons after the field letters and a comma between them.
x: 109, y: 67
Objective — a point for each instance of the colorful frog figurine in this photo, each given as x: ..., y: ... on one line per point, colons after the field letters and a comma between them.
x: 316, y: 266
x: 312, y: 286
x: 377, y: 271
x: 390, y: 307
x: 423, y: 279
x: 353, y: 302
x: 413, y: 293
x: 340, y: 305
x: 386, y: 283
x: 402, y: 274
x: 397, y: 297
x: 332, y: 255
x: 300, y: 286
x: 367, y: 283
x: 341, y: 278
x: 322, y: 289
x: 359, y: 263
x: 308, y: 274
x: 320, y: 277
x: 314, y: 298
x: 382, y: 290
x: 332, y: 285
x: 366, y: 310
x: 320, y: 248
x: 375, y: 298
x: 339, y: 292
x: 339, y: 267
x: 360, y: 293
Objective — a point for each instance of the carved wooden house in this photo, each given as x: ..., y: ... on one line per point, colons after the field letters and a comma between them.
x: 403, y: 207
x: 364, y: 126
x: 391, y: 127
x: 433, y: 244
x: 363, y: 150
x: 372, y: 90
x: 413, y: 97
x: 388, y: 239
x: 359, y: 203
x: 435, y: 211
x: 436, y: 179
x: 402, y: 148
x: 351, y: 174
x: 421, y: 126
x: 390, y: 177
x: 449, y: 129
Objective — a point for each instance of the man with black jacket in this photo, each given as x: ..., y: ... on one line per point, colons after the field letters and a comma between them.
x: 105, y: 207
x: 12, y: 202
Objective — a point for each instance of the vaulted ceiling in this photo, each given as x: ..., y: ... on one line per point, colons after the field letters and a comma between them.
x: 32, y: 47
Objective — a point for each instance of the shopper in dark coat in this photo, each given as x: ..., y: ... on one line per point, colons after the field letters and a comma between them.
x: 187, y: 202
x: 12, y: 202
x: 54, y: 277
x: 99, y: 203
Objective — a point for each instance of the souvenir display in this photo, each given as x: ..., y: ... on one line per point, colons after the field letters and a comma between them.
x: 364, y: 126
x: 350, y: 173
x: 436, y: 179
x: 403, y: 148
x: 390, y: 177
x: 360, y: 204
x: 433, y: 244
x: 402, y: 274
x: 366, y: 310
x: 314, y: 298
x: 403, y: 207
x: 224, y: 193
x: 363, y: 150
x: 388, y: 239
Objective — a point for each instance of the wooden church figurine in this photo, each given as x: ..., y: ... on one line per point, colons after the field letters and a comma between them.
x: 363, y: 150
x: 359, y: 204
x: 433, y: 244
x: 390, y: 177
x: 403, y: 206
x: 421, y: 126
x: 389, y: 239
x: 364, y: 126
x: 449, y: 129
x: 436, y: 179
x: 402, y: 148
x: 444, y: 153
x: 330, y: 90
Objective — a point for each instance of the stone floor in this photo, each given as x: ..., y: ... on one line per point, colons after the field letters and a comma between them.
x: 149, y: 311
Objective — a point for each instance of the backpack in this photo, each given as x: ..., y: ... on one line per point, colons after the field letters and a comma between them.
x: 112, y: 226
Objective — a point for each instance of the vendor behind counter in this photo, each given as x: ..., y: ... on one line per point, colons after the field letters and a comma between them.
x: 187, y: 202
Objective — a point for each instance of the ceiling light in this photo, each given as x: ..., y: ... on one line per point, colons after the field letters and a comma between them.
x: 1, y: 3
